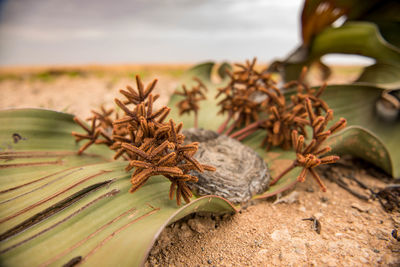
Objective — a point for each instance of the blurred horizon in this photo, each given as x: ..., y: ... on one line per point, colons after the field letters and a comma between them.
x: 46, y: 32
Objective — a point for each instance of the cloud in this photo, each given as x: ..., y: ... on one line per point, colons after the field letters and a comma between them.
x: 50, y: 34
x: 145, y: 30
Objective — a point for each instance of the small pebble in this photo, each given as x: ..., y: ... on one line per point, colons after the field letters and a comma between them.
x: 258, y: 243
x: 318, y: 215
x: 263, y: 251
x: 360, y: 208
x: 209, y: 261
x: 282, y: 234
x: 363, y: 260
x: 324, y: 199
x: 309, y: 190
x: 289, y: 199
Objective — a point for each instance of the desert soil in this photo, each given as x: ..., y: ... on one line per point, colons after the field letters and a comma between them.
x: 273, y: 232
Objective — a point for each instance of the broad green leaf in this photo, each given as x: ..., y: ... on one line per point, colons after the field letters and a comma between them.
x: 56, y: 206
x: 223, y: 68
x: 201, y: 71
x: 361, y: 143
x: 361, y: 38
x: 357, y: 103
x: 381, y: 74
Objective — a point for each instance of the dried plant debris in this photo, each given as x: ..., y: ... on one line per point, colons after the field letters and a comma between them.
x: 344, y: 176
x: 396, y: 235
x: 291, y: 198
x: 316, y: 224
x: 389, y: 197
x: 143, y: 137
x: 347, y: 179
x: 241, y: 172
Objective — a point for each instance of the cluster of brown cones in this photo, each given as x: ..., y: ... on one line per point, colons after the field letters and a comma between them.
x: 243, y: 95
x: 275, y: 114
x: 251, y: 99
x: 192, y: 97
x: 309, y: 156
x: 285, y: 120
x: 141, y: 136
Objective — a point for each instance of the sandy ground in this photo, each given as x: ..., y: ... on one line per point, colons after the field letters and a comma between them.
x: 78, y: 90
x: 353, y: 232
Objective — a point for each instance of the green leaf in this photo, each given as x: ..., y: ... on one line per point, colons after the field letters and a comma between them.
x: 361, y: 38
x: 201, y: 71
x: 381, y: 75
x: 361, y: 143
x: 223, y: 68
x: 357, y: 104
x: 57, y: 206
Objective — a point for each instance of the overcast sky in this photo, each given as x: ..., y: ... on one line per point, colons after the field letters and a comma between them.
x: 146, y: 31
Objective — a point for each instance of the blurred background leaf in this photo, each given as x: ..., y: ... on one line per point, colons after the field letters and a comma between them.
x: 370, y: 28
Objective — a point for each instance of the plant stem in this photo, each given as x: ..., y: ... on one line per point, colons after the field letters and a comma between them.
x: 231, y: 128
x: 291, y: 167
x: 245, y: 129
x: 196, y: 120
x: 318, y: 179
x: 224, y: 124
x: 243, y: 136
